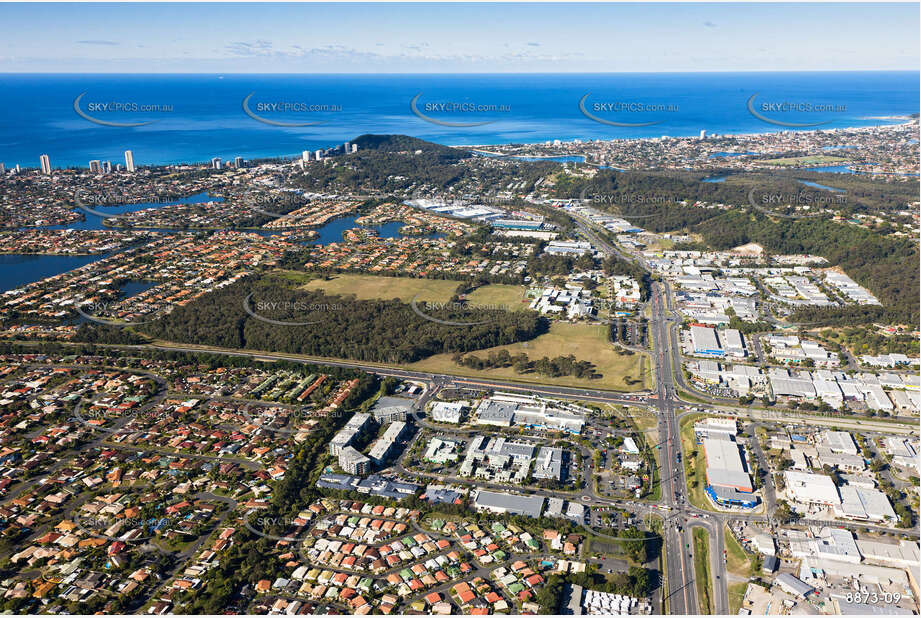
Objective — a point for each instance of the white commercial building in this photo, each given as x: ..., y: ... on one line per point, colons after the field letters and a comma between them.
x: 864, y: 504
x: 764, y: 543
x: 728, y: 482
x: 549, y: 464
x: 812, y: 489
x: 442, y: 451
x: 715, y: 426
x: 839, y: 442
x: 506, y: 410
x: 515, y: 504
x: 904, y: 554
x: 705, y: 341
x: 904, y: 452
x: 733, y: 344
x: 567, y: 247
x: 448, y: 412
x: 829, y: 544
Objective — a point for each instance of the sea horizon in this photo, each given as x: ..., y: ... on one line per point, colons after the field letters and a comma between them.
x: 444, y: 73
x: 206, y: 118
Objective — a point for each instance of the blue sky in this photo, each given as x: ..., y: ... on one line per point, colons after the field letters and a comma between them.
x: 452, y: 38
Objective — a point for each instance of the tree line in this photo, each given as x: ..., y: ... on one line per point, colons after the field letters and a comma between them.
x: 553, y: 367
x: 283, y: 318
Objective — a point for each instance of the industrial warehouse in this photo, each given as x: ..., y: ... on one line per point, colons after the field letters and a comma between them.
x: 706, y: 341
x: 513, y: 504
x: 728, y: 481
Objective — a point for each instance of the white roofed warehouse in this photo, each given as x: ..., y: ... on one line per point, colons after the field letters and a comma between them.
x: 811, y: 489
x: 728, y: 482
x: 514, y: 504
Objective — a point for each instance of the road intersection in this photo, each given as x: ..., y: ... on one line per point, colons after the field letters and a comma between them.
x: 670, y: 400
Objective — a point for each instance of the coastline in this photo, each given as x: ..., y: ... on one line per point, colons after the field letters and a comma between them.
x: 482, y: 148
x: 544, y: 104
x: 906, y: 120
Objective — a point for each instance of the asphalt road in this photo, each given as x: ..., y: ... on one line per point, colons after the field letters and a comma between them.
x: 679, y: 590
x: 681, y: 593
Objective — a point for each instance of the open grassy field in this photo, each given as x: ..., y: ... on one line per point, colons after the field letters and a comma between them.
x: 647, y: 423
x: 736, y: 595
x: 660, y: 243
x: 594, y: 546
x: 702, y: 569
x: 370, y: 287
x: 695, y: 468
x: 739, y: 563
x: 807, y: 160
x: 737, y: 559
x: 584, y: 341
x: 500, y: 296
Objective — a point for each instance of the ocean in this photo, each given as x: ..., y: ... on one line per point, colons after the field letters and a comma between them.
x: 197, y: 117
x: 202, y: 116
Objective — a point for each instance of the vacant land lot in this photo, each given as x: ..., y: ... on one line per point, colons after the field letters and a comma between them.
x: 738, y: 560
x: 695, y: 463
x: 736, y: 596
x: 499, y: 296
x: 584, y: 341
x: 370, y: 287
x: 738, y: 563
x: 808, y: 160
x: 647, y: 424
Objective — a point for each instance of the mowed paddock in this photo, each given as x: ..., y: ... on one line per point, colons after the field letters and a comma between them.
x: 584, y: 341
x: 589, y: 342
x: 371, y: 287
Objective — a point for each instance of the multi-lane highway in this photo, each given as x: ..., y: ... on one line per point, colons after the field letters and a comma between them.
x: 678, y: 515
x: 680, y: 575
